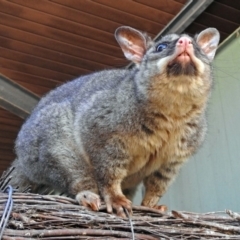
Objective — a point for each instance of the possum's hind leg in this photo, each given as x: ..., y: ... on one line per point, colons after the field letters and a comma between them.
x: 84, y: 188
x: 69, y: 172
x: 79, y: 181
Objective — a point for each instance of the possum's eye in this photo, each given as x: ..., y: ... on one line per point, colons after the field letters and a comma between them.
x: 161, y: 46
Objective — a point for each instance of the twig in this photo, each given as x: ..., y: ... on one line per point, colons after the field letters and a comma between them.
x: 233, y: 214
x: 148, y: 209
x: 22, y: 217
x: 190, y: 220
x: 72, y: 232
x: 49, y: 217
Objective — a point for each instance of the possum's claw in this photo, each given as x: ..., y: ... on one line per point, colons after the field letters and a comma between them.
x: 89, y: 199
x: 119, y: 203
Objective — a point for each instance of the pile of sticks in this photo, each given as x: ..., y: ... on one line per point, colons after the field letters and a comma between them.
x: 49, y: 217
x: 58, y: 217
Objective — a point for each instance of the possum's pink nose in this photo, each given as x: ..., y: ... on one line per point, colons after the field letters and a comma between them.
x: 184, y: 41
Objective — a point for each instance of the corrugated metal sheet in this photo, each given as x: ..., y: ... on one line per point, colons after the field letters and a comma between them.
x: 221, y: 14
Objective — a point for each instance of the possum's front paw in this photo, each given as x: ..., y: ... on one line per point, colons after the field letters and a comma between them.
x: 118, y: 203
x: 89, y: 199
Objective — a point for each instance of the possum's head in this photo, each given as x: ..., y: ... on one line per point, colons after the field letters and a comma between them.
x: 178, y: 61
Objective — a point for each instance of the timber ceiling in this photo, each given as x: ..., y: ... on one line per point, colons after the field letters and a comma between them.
x: 48, y: 42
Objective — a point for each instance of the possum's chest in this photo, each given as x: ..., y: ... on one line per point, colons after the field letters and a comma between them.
x: 150, y: 151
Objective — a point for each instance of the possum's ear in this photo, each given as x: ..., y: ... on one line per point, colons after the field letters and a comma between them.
x: 208, y: 40
x: 132, y: 42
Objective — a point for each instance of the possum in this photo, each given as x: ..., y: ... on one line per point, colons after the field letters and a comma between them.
x: 101, y: 135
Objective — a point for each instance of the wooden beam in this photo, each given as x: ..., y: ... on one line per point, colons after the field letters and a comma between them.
x: 15, y: 98
x: 185, y: 17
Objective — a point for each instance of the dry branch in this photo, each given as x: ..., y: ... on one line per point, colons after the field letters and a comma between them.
x: 56, y: 217
x: 197, y: 221
x: 233, y: 214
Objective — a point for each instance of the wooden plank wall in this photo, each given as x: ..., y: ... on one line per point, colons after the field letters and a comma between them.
x: 9, y: 127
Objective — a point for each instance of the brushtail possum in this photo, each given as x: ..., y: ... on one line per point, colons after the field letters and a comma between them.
x: 100, y: 135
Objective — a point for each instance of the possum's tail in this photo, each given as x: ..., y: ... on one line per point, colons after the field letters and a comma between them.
x: 15, y: 177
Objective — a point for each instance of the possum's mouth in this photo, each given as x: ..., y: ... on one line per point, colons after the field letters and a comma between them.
x: 183, y: 57
x: 184, y: 54
x: 182, y: 64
